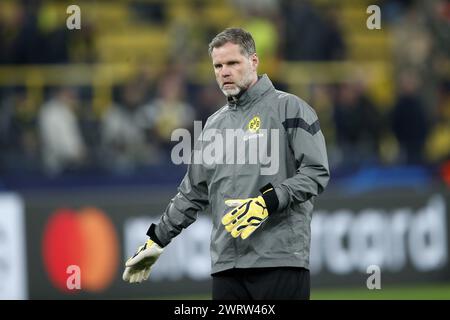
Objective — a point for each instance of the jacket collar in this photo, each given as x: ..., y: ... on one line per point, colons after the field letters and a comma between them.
x: 253, y: 93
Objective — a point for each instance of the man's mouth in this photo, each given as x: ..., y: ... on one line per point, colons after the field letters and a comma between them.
x: 228, y: 83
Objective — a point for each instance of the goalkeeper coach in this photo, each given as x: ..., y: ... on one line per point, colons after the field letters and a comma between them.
x: 260, y: 242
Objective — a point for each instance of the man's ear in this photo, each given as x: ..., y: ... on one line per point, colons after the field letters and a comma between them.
x: 255, y: 61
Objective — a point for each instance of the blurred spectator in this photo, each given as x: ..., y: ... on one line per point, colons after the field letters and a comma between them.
x: 52, y: 27
x: 409, y: 119
x: 11, y: 21
x: 188, y: 35
x: 358, y: 125
x: 438, y: 144
x: 393, y: 9
x: 154, y: 11
x: 262, y: 19
x: 439, y: 21
x: 262, y: 5
x: 208, y: 100
x: 19, y: 143
x: 81, y: 43
x: 27, y: 45
x: 322, y: 102
x: 39, y: 35
x: 169, y: 110
x: 309, y: 35
x: 411, y: 40
x: 62, y: 143
x: 124, y: 146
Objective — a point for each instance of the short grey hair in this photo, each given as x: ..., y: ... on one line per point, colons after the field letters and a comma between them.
x: 237, y: 36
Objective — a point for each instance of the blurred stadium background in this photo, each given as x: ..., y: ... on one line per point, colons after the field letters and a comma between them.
x: 86, y: 117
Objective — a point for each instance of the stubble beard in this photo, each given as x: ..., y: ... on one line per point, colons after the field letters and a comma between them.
x: 239, y: 86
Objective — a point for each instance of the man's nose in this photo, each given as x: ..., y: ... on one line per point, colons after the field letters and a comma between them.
x: 225, y: 72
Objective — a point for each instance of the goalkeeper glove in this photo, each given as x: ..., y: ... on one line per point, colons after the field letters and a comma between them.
x: 250, y: 213
x: 138, y: 267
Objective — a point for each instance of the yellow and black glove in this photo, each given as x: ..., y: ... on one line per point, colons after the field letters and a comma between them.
x: 249, y: 214
x: 137, y: 268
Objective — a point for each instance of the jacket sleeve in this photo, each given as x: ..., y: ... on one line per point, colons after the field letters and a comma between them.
x: 307, y: 143
x: 182, y: 210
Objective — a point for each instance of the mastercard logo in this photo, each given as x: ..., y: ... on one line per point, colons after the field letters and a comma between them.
x: 87, y: 239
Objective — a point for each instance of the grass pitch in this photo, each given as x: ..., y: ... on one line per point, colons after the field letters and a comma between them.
x: 403, y: 292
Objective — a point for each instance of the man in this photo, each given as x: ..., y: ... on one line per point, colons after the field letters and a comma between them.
x: 261, y: 233
x: 63, y: 146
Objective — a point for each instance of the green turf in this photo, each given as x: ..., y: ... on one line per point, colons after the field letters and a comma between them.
x: 404, y: 292
x: 184, y: 297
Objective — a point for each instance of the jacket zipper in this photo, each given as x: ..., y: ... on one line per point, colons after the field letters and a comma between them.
x: 233, y: 110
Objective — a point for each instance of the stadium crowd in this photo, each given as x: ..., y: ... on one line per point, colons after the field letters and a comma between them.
x: 62, y: 134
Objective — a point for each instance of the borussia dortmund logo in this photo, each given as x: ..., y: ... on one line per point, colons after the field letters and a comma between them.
x: 254, y: 124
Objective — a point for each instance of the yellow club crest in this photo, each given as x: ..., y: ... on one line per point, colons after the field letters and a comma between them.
x: 254, y: 124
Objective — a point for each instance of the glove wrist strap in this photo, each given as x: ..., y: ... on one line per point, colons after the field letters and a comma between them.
x: 270, y: 197
x: 152, y: 235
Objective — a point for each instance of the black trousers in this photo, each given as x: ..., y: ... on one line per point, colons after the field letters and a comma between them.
x: 281, y: 283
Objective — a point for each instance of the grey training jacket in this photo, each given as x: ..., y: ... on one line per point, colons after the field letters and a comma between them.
x: 290, y: 153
